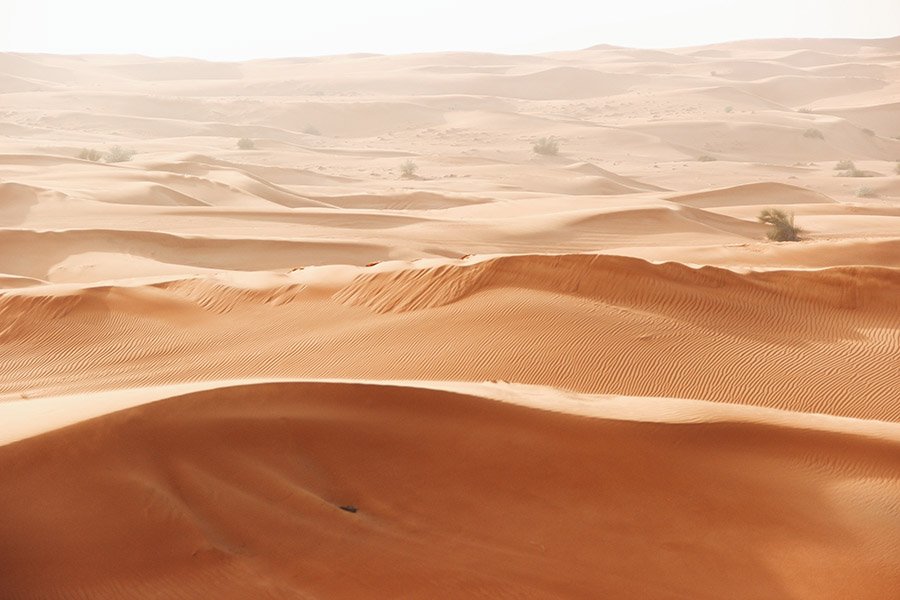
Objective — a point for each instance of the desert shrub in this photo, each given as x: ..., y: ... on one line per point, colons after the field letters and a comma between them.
x: 408, y: 169
x: 312, y: 130
x: 782, y: 225
x: 866, y: 192
x: 805, y: 110
x: 246, y: 144
x: 118, y: 154
x: 897, y: 168
x: 854, y: 172
x: 547, y: 146
x: 729, y: 109
x: 706, y: 158
x: 844, y: 165
x: 90, y: 154
x: 813, y: 134
x: 868, y: 132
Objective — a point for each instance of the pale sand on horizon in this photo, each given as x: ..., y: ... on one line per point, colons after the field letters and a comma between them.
x: 573, y: 375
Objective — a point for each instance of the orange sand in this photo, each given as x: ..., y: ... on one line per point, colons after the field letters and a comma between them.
x: 574, y: 376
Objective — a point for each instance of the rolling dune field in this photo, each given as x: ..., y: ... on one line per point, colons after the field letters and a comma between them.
x: 384, y: 349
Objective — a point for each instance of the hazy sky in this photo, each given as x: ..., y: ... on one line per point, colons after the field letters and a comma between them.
x: 225, y: 29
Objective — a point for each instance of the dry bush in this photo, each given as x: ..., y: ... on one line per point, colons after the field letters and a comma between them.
x: 854, y: 172
x: 782, y: 225
x: 118, y: 154
x: 866, y: 192
x: 813, y: 134
x: 246, y: 144
x: 546, y: 146
x: 845, y: 165
x: 408, y: 169
x: 90, y: 154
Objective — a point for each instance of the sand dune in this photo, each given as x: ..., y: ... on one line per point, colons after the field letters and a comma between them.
x: 812, y: 255
x: 826, y: 340
x: 882, y: 118
x: 49, y: 248
x: 578, y: 374
x: 242, y: 500
x: 755, y: 194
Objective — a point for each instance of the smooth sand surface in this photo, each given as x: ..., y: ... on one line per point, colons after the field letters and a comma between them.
x: 572, y: 376
x: 238, y: 490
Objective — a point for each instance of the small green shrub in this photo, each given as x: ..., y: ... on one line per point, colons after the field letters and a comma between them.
x: 729, y: 109
x: 118, y: 154
x: 813, y: 134
x: 782, y: 225
x: 707, y: 158
x: 408, y: 169
x: 546, y: 146
x: 90, y: 154
x: 246, y: 144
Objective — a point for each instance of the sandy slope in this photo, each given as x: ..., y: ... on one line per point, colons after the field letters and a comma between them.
x: 818, y: 341
x: 297, y: 326
x: 238, y: 490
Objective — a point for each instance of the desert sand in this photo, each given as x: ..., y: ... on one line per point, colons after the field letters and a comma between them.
x: 579, y: 375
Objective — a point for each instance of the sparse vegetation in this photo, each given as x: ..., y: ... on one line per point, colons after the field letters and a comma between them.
x: 853, y: 172
x: 729, y: 109
x: 897, y: 168
x: 90, y: 154
x: 546, y: 146
x: 118, y: 154
x: 813, y: 134
x: 408, y: 169
x: 707, y: 158
x: 866, y: 192
x: 805, y: 110
x: 312, y: 130
x: 844, y: 165
x: 246, y: 144
x: 868, y: 132
x: 782, y: 225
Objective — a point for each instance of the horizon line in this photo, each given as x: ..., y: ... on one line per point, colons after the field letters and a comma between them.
x: 364, y: 54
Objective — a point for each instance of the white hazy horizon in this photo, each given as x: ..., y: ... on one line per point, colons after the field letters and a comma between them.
x: 275, y: 28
